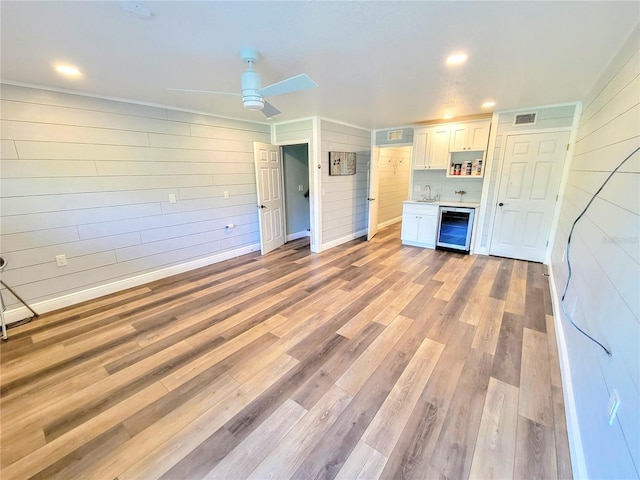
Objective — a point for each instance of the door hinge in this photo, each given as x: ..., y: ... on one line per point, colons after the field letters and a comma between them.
x: 557, y: 197
x: 567, y: 147
x: 547, y: 243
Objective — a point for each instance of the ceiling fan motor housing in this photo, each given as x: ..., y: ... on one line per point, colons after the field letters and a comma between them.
x: 250, y: 86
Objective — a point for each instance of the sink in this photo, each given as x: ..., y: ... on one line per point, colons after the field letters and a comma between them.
x: 426, y: 201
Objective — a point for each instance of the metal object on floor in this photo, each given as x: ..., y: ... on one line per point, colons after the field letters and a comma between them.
x: 3, y: 323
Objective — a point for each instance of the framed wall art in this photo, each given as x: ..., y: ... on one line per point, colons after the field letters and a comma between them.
x: 342, y: 163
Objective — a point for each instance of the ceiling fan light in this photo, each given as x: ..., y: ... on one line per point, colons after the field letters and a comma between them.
x: 253, y: 103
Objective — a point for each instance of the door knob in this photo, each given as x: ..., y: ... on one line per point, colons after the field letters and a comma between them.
x: 501, y: 204
x: 262, y: 206
x: 370, y: 199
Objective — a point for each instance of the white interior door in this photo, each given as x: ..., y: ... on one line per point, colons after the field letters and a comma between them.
x: 527, y: 193
x: 269, y: 181
x: 374, y: 187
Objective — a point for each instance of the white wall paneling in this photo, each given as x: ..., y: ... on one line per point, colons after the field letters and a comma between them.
x: 605, y: 256
x: 344, y: 205
x: 91, y: 178
x: 22, y: 111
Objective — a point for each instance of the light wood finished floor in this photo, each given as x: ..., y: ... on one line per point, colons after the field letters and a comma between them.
x: 371, y: 360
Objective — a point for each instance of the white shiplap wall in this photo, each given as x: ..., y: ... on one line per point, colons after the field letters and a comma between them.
x: 296, y: 131
x: 605, y: 256
x: 395, y: 173
x: 91, y: 178
x: 344, y: 198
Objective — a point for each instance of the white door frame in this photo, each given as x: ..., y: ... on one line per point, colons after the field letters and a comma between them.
x: 314, y: 197
x: 376, y: 149
x: 556, y: 211
x: 374, y: 181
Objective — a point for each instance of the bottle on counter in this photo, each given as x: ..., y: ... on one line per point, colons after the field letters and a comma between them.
x: 468, y: 168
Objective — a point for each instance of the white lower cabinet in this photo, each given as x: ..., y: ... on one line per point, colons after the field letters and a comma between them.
x: 419, y: 224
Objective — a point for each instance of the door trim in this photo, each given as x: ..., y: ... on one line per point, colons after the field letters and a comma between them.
x: 314, y: 197
x: 372, y: 228
x: 561, y: 188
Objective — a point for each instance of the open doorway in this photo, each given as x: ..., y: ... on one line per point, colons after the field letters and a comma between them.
x: 391, y: 173
x: 295, y: 162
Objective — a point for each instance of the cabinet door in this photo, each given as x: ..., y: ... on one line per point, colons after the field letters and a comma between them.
x: 410, y: 224
x: 459, y: 138
x: 478, y: 135
x: 427, y: 230
x: 420, y: 148
x: 439, y: 152
x: 469, y: 136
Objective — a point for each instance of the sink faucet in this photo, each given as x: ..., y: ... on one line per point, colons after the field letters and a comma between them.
x: 428, y: 189
x: 428, y: 197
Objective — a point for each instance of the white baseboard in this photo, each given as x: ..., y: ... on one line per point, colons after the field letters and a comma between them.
x: 341, y: 240
x: 295, y: 236
x: 578, y: 463
x: 390, y: 222
x: 20, y: 313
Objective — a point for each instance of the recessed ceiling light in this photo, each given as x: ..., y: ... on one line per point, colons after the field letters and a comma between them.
x: 68, y: 70
x: 488, y: 104
x: 448, y: 116
x: 456, y: 58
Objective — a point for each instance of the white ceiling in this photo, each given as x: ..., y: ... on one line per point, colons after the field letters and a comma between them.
x: 378, y: 64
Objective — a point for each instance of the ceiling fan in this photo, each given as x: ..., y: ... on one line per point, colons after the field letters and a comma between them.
x: 253, y: 94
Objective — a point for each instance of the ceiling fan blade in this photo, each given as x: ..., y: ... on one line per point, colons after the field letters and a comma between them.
x: 202, y: 91
x: 270, y: 111
x: 293, y: 84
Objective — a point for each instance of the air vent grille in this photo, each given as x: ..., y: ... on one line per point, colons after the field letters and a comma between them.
x: 525, y: 119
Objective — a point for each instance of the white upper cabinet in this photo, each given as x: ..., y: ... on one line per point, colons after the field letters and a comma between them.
x: 421, y: 143
x: 440, y: 146
x: 473, y: 136
x: 431, y: 147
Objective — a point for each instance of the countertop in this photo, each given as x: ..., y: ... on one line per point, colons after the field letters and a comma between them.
x: 446, y: 203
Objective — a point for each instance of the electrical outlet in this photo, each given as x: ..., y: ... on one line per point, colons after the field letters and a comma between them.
x: 613, y: 405
x: 226, y: 194
x: 172, y: 198
x: 61, y: 260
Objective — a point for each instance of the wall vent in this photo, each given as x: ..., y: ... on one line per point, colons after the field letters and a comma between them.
x: 525, y: 118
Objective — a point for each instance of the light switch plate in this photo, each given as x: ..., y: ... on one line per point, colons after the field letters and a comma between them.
x: 61, y: 260
x: 172, y: 198
x: 300, y: 187
x: 226, y: 194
